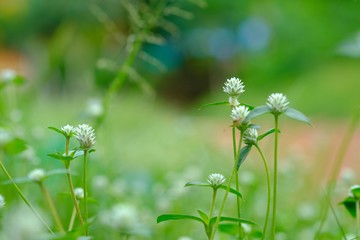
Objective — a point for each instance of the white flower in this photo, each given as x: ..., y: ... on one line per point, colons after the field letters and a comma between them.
x: 277, y: 102
x: 68, y: 130
x: 79, y: 193
x: 7, y: 75
x: 95, y: 107
x: 2, y: 201
x: 85, y: 135
x: 250, y: 136
x: 37, y: 175
x: 355, y: 192
x: 233, y: 101
x: 234, y: 87
x: 121, y: 216
x: 238, y: 114
x: 216, y: 179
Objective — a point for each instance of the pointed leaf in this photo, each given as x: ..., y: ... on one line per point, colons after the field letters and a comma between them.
x: 230, y: 219
x: 60, y: 156
x: 350, y: 205
x: 167, y: 217
x: 268, y: 132
x: 214, y: 104
x: 231, y: 190
x: 257, y: 112
x: 229, y: 228
x: 57, y: 130
x: 295, y: 114
x: 242, y: 156
x: 198, y: 183
x: 204, y: 216
x: 15, y: 146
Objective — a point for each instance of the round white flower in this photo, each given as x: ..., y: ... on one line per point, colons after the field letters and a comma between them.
x: 250, y: 136
x: 278, y: 103
x: 238, y: 114
x: 2, y: 201
x: 216, y: 179
x: 68, y: 130
x: 37, y: 175
x: 79, y: 193
x: 234, y: 87
x: 85, y: 135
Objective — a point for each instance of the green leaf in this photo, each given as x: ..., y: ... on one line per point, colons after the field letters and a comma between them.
x: 231, y: 229
x: 204, y: 216
x: 198, y: 183
x: 60, y: 156
x: 242, y: 156
x: 15, y: 146
x: 230, y: 219
x: 167, y: 217
x: 350, y: 205
x: 295, y: 114
x: 247, y: 105
x: 257, y: 112
x: 57, y: 130
x: 214, y: 104
x: 268, y: 132
x: 231, y: 190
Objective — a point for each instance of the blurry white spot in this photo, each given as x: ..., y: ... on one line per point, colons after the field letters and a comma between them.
x: 351, y: 47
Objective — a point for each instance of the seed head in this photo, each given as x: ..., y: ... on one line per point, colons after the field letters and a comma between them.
x: 2, y: 201
x: 238, y: 114
x: 85, y: 135
x: 250, y: 136
x: 79, y: 193
x: 68, y: 130
x: 37, y: 175
x: 278, y: 103
x: 234, y: 87
x: 216, y: 179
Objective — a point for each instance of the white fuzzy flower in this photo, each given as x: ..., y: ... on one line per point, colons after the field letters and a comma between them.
x: 85, y: 135
x: 233, y: 101
x: 79, y: 193
x: 95, y: 107
x: 277, y: 102
x: 68, y: 130
x: 216, y: 179
x: 250, y: 136
x: 234, y: 87
x: 238, y: 114
x: 2, y: 201
x: 37, y: 175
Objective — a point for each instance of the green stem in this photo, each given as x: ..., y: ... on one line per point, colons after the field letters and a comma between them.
x: 237, y: 178
x: 52, y: 207
x: 223, y: 203
x: 273, y: 223
x: 76, y: 204
x: 85, y: 193
x: 268, y: 191
x: 24, y: 198
x: 357, y: 219
x: 212, y: 206
x: 72, y: 219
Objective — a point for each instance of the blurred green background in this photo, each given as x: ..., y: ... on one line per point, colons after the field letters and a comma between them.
x: 151, y: 144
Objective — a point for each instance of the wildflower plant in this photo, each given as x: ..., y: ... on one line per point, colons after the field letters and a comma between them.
x: 352, y: 205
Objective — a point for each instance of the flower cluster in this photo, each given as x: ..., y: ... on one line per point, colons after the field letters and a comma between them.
x: 68, y: 130
x: 216, y: 179
x: 278, y: 103
x: 239, y: 114
x: 250, y: 136
x: 36, y: 175
x: 85, y: 135
x: 234, y: 87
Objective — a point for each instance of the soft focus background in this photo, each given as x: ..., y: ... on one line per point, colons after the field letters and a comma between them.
x: 154, y: 139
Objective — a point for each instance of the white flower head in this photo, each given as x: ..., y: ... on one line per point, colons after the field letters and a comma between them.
x: 85, y: 135
x: 233, y: 101
x: 37, y: 175
x: 250, y: 136
x: 278, y: 103
x: 355, y: 192
x: 79, y: 193
x: 216, y: 179
x: 238, y: 114
x: 2, y: 201
x: 234, y: 87
x: 68, y: 130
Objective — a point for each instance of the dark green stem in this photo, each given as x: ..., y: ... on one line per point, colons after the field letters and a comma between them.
x: 268, y: 191
x: 237, y: 177
x: 273, y: 223
x: 85, y: 193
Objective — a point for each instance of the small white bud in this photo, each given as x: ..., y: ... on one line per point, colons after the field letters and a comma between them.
x: 37, y: 175
x: 278, y: 103
x: 79, y: 193
x: 85, y: 135
x: 234, y: 87
x: 238, y: 114
x: 216, y: 179
x: 250, y: 136
x: 68, y: 130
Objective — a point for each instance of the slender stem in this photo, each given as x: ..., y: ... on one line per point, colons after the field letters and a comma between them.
x: 76, y: 204
x: 357, y: 219
x: 212, y: 206
x: 223, y: 203
x: 85, y: 193
x: 52, y: 207
x: 72, y: 219
x: 268, y: 191
x: 24, y: 198
x: 273, y: 223
x: 237, y: 177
